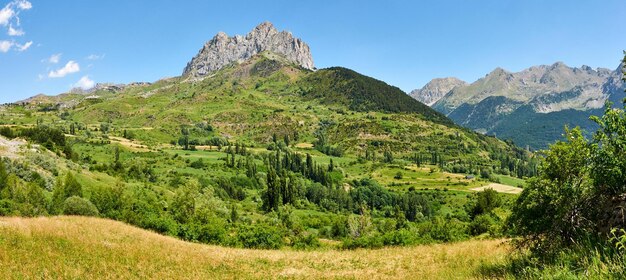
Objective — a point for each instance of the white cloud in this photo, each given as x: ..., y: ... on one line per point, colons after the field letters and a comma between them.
x: 9, y: 11
x: 15, y: 32
x: 84, y: 83
x: 69, y: 68
x: 24, y: 47
x: 24, y: 5
x: 5, y: 46
x: 54, y: 59
x: 9, y: 15
x: 95, y: 57
x: 6, y: 14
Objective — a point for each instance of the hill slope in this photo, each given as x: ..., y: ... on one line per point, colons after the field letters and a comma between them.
x: 78, y: 247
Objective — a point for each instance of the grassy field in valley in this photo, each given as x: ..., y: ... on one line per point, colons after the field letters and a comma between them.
x: 78, y: 247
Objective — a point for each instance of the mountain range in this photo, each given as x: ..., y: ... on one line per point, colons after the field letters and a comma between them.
x: 530, y: 107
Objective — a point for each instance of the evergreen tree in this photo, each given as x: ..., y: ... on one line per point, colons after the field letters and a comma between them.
x: 388, y: 156
x: 309, y: 166
x: 72, y: 187
x: 291, y: 191
x: 3, y: 175
x: 284, y: 188
x: 272, y: 193
x: 234, y: 214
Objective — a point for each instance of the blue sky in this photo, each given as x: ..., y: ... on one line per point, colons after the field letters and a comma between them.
x: 405, y: 43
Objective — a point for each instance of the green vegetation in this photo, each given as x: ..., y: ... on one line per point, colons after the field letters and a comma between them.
x: 269, y: 156
x: 261, y: 155
x: 570, y: 217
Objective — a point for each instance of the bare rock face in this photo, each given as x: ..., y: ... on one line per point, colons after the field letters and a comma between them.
x: 223, y: 50
x: 436, y: 89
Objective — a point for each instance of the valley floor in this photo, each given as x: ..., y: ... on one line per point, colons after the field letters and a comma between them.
x: 81, y: 247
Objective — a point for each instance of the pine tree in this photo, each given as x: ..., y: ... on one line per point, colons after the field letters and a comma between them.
x: 388, y: 156
x: 58, y: 197
x: 309, y: 166
x: 291, y: 191
x: 284, y: 188
x: 72, y: 187
x: 273, y: 194
x: 286, y: 139
x: 234, y: 214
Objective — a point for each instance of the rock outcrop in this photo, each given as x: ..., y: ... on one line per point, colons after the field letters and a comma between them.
x: 223, y: 50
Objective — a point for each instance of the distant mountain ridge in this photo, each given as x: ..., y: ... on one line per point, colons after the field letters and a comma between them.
x: 223, y: 50
x: 539, y: 94
x: 436, y: 89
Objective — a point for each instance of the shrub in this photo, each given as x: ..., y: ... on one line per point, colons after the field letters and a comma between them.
x: 484, y: 202
x: 260, y: 237
x: 79, y: 206
x: 160, y: 223
x: 402, y: 237
x: 482, y: 224
x: 306, y: 241
x: 211, y: 232
x: 7, y: 207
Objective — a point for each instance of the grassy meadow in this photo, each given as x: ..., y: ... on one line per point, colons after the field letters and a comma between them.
x: 70, y: 247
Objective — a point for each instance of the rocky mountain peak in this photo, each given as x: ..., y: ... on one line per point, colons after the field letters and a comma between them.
x: 436, y: 89
x: 558, y: 64
x: 223, y: 50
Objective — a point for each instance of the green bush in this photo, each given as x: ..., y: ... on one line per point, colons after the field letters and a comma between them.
x: 370, y: 241
x: 306, y: 241
x: 211, y: 232
x: 160, y: 223
x: 482, y: 224
x: 259, y: 236
x: 79, y: 206
x: 7, y: 207
x: 402, y: 237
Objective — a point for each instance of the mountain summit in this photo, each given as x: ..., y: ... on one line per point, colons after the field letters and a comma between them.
x: 436, y: 89
x: 223, y: 50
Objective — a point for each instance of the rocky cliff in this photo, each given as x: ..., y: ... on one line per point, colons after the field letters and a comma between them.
x: 223, y: 50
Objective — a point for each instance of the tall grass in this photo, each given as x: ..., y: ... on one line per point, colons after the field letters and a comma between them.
x: 87, y: 248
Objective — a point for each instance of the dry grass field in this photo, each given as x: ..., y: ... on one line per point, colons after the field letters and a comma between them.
x: 500, y: 188
x: 88, y: 248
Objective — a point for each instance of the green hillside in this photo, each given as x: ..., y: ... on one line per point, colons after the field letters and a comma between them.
x: 267, y: 155
x: 262, y: 154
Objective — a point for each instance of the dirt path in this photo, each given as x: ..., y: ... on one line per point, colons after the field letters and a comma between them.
x: 10, y: 148
x: 129, y: 144
x: 500, y: 188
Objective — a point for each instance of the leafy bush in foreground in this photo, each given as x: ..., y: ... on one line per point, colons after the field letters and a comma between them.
x: 79, y: 206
